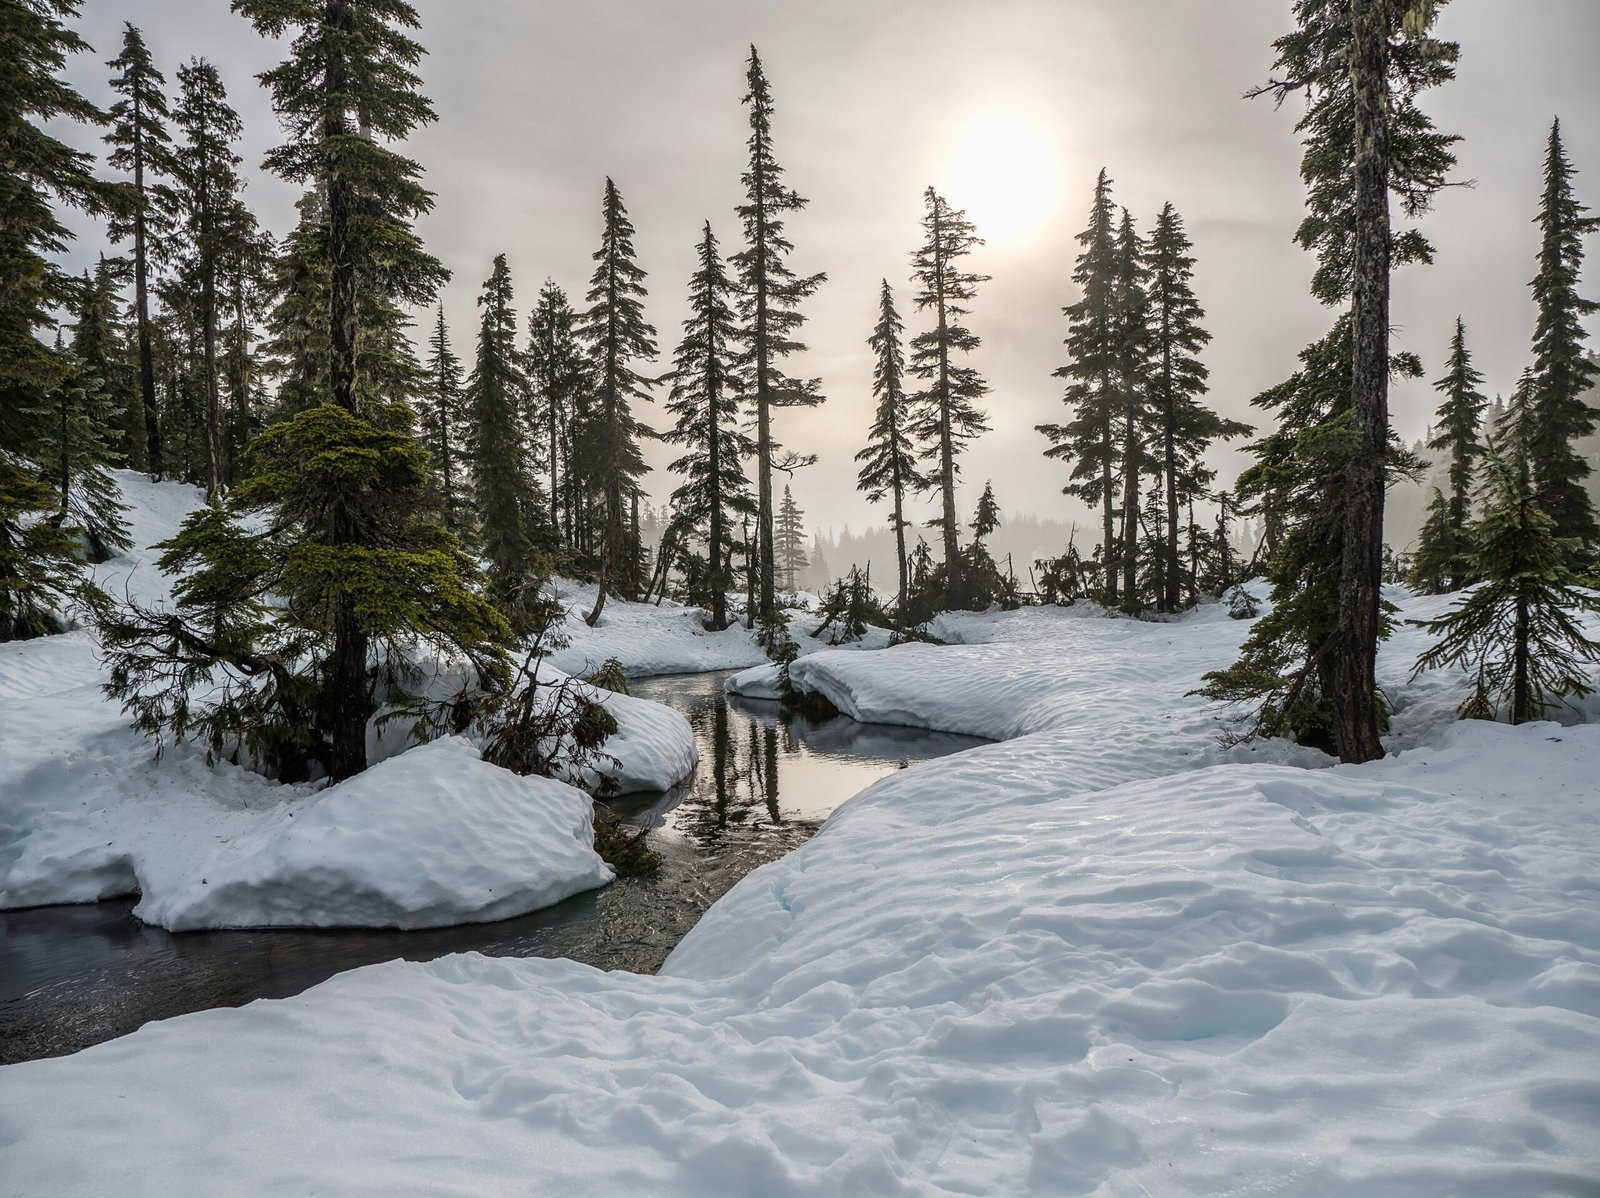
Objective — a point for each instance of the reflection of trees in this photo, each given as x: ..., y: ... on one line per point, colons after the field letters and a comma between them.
x: 741, y: 787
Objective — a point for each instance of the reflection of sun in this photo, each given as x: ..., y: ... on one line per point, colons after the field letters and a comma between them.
x: 1003, y: 171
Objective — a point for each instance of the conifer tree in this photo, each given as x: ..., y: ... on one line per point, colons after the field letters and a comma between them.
x: 1443, y: 546
x: 1134, y: 413
x: 557, y: 370
x: 706, y: 400
x: 101, y: 343
x: 889, y: 461
x: 1186, y: 426
x: 1562, y: 372
x: 791, y: 541
x: 1088, y: 440
x: 510, y: 510
x: 79, y: 420
x: 1518, y: 634
x: 443, y: 416
x: 295, y: 348
x: 205, y: 171
x: 142, y: 148
x: 947, y: 416
x: 770, y: 310
x: 615, y: 331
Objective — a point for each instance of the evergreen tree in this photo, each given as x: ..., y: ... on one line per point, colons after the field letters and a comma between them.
x: 38, y: 569
x: 791, y: 541
x: 101, y: 343
x: 510, y: 510
x: 1088, y: 440
x: 208, y: 186
x: 987, y: 516
x: 556, y: 369
x: 770, y: 310
x: 706, y: 399
x: 1186, y: 426
x: 615, y: 331
x: 142, y: 148
x: 1443, y: 547
x: 79, y: 420
x: 1134, y: 414
x: 889, y: 461
x: 1562, y: 372
x: 295, y: 348
x: 947, y: 416
x: 1518, y: 633
x: 444, y: 418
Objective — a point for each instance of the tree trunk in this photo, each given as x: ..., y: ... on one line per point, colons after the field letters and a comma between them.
x: 141, y: 298
x: 765, y: 549
x: 1169, y: 451
x: 1521, y: 696
x: 341, y: 201
x: 1361, y: 566
x: 954, y: 591
x: 1130, y: 511
x: 593, y: 617
x: 900, y: 546
x: 208, y: 335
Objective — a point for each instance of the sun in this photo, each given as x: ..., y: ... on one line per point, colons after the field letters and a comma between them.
x: 1002, y: 170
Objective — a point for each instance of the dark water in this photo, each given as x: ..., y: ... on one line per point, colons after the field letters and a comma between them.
x: 74, y: 976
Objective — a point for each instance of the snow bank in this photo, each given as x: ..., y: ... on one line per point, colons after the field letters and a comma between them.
x: 1089, y: 960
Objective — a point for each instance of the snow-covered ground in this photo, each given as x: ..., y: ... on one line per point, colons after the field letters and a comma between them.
x: 432, y: 836
x: 1102, y: 957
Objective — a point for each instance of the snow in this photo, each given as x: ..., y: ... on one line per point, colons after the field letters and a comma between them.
x: 1101, y: 957
x: 430, y: 836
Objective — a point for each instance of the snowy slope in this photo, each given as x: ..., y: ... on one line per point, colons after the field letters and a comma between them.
x: 88, y: 811
x: 1089, y: 960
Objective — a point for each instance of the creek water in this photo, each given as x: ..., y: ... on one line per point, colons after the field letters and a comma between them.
x: 72, y: 976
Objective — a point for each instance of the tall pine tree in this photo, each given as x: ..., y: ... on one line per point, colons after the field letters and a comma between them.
x: 557, y: 370
x: 947, y: 415
x: 1444, y: 542
x: 1134, y: 413
x: 790, y: 534
x: 443, y: 417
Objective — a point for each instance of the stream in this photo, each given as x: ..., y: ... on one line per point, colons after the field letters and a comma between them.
x: 72, y: 976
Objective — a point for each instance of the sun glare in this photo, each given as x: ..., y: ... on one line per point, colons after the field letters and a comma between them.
x: 1003, y: 170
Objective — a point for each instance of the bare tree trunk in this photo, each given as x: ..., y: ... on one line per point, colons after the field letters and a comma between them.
x: 141, y: 297
x: 1361, y: 566
x: 1130, y: 511
x: 593, y: 617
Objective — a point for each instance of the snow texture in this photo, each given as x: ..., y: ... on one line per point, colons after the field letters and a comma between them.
x: 1103, y: 957
x: 432, y: 836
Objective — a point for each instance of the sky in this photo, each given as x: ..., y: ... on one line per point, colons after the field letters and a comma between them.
x: 1009, y: 107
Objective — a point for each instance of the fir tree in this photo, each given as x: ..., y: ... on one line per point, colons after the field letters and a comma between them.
x: 1088, y: 440
x: 295, y: 348
x: 142, y: 148
x: 102, y: 344
x: 770, y: 310
x: 80, y: 417
x: 706, y: 400
x: 1133, y: 357
x: 510, y: 510
x: 1518, y: 633
x: 889, y: 461
x: 1186, y: 426
x: 208, y: 185
x: 791, y: 541
x: 947, y: 416
x: 615, y: 331
x: 556, y: 369
x: 1562, y: 372
x: 987, y: 516
x: 443, y: 415
x: 1443, y: 547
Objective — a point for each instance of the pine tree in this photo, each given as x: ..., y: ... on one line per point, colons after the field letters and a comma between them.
x: 1088, y: 440
x: 205, y: 171
x: 79, y: 419
x: 770, y: 310
x: 1443, y: 547
x: 557, y: 370
x: 1186, y: 426
x: 1562, y: 372
x: 946, y: 413
x: 617, y: 336
x: 1518, y: 633
x: 102, y: 344
x: 38, y: 569
x: 142, y: 148
x: 987, y: 516
x: 706, y: 399
x: 444, y: 419
x: 1134, y: 414
x: 295, y: 349
x: 889, y: 461
x: 510, y: 510
x: 791, y: 541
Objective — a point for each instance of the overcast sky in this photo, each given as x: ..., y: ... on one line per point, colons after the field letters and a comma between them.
x: 539, y: 100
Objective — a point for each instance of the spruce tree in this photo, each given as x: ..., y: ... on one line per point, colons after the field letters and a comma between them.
x: 142, y: 148
x: 557, y: 370
x: 889, y: 460
x: 205, y: 171
x: 947, y: 416
x: 1443, y: 542
x: 1562, y: 372
x: 707, y: 402
x: 770, y: 311
x: 294, y: 350
x: 102, y: 343
x: 443, y: 417
x: 1518, y: 634
x: 510, y: 511
x: 790, y: 534
x: 1134, y: 413
x: 615, y: 331
x: 1186, y: 426
x: 80, y: 419
x: 1088, y: 440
